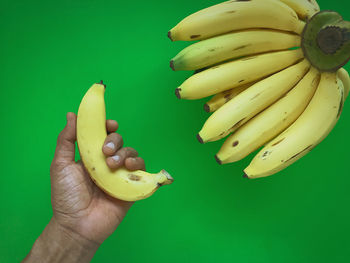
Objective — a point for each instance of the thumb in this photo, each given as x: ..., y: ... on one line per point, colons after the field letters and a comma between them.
x: 65, y: 149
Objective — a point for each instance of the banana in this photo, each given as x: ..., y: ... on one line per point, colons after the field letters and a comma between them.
x: 236, y: 73
x: 237, y: 15
x: 343, y: 75
x: 271, y: 122
x: 91, y: 133
x: 252, y: 101
x: 304, y: 8
x: 222, y: 48
x: 221, y: 98
x: 304, y: 134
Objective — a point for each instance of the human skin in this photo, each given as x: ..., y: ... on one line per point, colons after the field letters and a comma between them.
x: 83, y: 215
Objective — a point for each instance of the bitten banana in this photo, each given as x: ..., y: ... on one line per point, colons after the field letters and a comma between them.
x: 304, y: 8
x: 237, y: 15
x: 234, y: 74
x: 343, y: 75
x: 306, y: 133
x: 91, y: 134
x: 252, y: 101
x: 271, y: 122
x: 238, y: 44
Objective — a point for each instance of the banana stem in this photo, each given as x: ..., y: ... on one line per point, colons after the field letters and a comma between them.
x: 326, y: 41
x: 333, y: 37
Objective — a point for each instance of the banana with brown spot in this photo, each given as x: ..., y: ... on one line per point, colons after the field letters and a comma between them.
x: 304, y: 8
x: 236, y: 73
x: 237, y: 15
x: 271, y: 122
x: 316, y: 122
x: 250, y: 102
x: 343, y: 75
x: 234, y: 45
x: 91, y: 134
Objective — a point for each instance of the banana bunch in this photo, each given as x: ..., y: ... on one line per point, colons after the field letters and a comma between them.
x: 274, y: 69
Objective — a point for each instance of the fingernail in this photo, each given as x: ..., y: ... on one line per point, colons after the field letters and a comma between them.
x: 116, y: 158
x: 110, y: 145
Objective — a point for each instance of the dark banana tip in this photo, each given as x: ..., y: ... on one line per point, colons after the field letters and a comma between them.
x: 207, y: 108
x: 218, y: 160
x: 101, y: 82
x: 199, y: 138
x: 245, y: 176
x: 172, y: 65
x: 169, y: 35
x: 177, y: 93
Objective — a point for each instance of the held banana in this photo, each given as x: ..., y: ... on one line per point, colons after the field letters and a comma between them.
x: 237, y: 15
x: 91, y: 133
x: 238, y: 44
x: 307, y: 132
x: 343, y: 75
x: 236, y: 73
x: 304, y: 8
x: 223, y: 97
x: 271, y: 122
x: 252, y: 101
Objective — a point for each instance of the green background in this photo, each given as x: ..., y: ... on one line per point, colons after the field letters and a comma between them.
x: 50, y: 54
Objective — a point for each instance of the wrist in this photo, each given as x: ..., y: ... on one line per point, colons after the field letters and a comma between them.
x: 59, y: 244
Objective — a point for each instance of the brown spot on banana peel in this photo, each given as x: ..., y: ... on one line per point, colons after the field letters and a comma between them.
x: 235, y: 143
x: 195, y: 36
x: 241, y: 47
x: 257, y: 95
x: 278, y: 142
x: 248, y: 58
x: 309, y: 148
x: 134, y: 177
x: 237, y: 124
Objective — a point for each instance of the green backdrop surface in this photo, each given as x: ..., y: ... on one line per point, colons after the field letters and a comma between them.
x: 50, y: 54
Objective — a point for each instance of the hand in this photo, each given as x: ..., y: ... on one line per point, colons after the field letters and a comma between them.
x: 78, y: 204
x: 83, y: 215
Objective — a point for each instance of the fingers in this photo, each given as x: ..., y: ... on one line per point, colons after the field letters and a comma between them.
x: 135, y: 163
x: 118, y: 159
x: 65, y: 149
x: 118, y: 156
x: 113, y: 143
x: 112, y: 126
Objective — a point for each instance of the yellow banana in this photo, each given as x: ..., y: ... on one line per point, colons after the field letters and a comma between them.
x: 304, y: 8
x: 91, y: 133
x: 343, y: 75
x: 236, y: 73
x: 237, y: 15
x: 220, y: 99
x: 316, y: 122
x: 252, y: 101
x: 271, y: 122
x: 238, y: 44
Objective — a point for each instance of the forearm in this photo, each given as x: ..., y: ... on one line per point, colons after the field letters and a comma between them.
x: 57, y: 244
